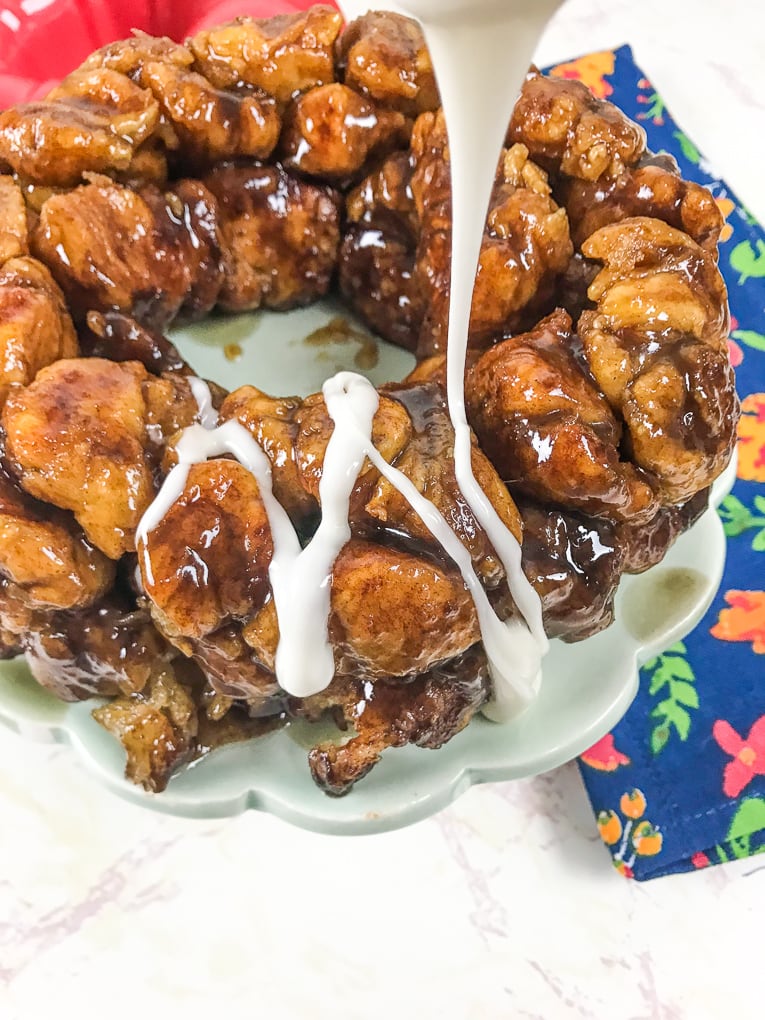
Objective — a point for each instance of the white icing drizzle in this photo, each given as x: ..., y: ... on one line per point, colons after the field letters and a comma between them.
x: 481, y: 50
x: 200, y: 391
x: 302, y: 588
x: 477, y: 47
x: 301, y: 579
x: 512, y: 650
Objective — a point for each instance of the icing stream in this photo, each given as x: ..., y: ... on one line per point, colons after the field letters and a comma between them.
x: 481, y: 50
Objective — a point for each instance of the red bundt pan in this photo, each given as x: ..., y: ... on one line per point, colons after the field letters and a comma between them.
x: 43, y: 40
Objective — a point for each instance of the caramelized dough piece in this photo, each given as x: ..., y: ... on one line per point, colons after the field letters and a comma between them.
x: 14, y: 239
x: 332, y: 132
x: 652, y: 188
x: 117, y: 337
x: 207, y: 561
x: 131, y: 111
x: 85, y: 436
x: 547, y: 429
x: 385, y: 56
x: 157, y: 727
x: 378, y: 279
x: 427, y: 460
x: 377, y: 256
x: 271, y: 422
x: 428, y: 712
x: 107, y: 649
x: 205, y: 570
x: 280, y: 235
x: 210, y: 124
x: 129, y: 56
x: 395, y: 613
x: 233, y: 670
x: 35, y: 328
x: 149, y: 167
x: 411, y: 430
x: 93, y: 122
x: 645, y: 545
x: 567, y: 129
x: 173, y: 722
x: 149, y: 254
x: 526, y: 245
x: 433, y: 369
x: 283, y: 55
x: 391, y: 431
x: 526, y: 242
x: 385, y: 198
x: 656, y: 346
x: 575, y: 564
x: 45, y: 555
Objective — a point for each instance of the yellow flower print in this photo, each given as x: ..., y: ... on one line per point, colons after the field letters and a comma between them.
x: 592, y: 70
x: 726, y: 207
x: 751, y: 439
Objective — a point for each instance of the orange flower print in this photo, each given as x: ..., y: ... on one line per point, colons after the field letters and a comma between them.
x: 744, y: 620
x: 726, y: 207
x: 751, y: 439
x: 609, y: 827
x: 591, y: 70
x: 604, y: 756
x: 633, y: 805
x: 647, y: 840
x: 748, y: 755
x: 632, y: 835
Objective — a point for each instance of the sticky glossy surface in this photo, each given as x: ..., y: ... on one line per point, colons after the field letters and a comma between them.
x: 586, y: 687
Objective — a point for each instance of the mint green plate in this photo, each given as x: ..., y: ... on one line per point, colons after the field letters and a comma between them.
x: 586, y: 687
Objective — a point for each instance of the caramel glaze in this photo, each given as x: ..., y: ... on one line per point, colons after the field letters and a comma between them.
x: 427, y: 712
x: 653, y: 187
x: 120, y: 338
x: 600, y: 428
x: 281, y: 236
x: 103, y: 650
x: 647, y: 544
x: 548, y: 430
x: 575, y: 563
x: 152, y: 254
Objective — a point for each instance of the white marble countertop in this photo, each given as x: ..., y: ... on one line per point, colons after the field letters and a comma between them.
x: 505, y: 905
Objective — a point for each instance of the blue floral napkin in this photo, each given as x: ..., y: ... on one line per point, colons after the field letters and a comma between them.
x: 680, y: 783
